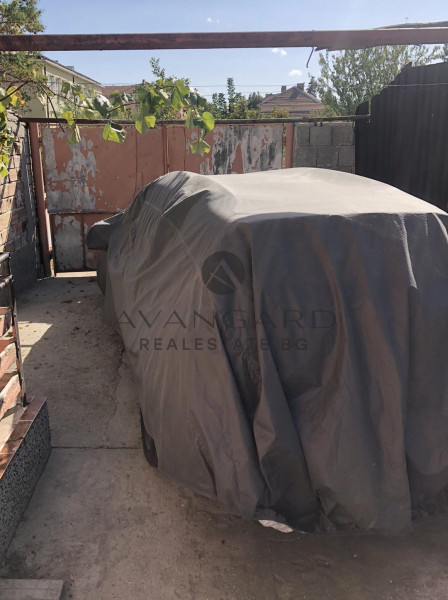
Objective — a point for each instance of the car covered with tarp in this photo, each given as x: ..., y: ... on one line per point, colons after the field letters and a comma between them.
x: 288, y: 332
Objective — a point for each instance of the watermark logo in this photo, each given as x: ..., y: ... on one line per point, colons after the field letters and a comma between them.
x: 222, y: 272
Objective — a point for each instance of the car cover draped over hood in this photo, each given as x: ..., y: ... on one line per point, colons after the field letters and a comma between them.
x: 288, y: 331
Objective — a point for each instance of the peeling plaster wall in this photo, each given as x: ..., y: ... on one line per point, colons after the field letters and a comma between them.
x: 244, y: 149
x: 68, y: 232
x: 96, y: 178
x: 76, y: 176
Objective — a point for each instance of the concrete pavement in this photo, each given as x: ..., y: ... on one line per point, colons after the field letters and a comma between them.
x: 113, y: 528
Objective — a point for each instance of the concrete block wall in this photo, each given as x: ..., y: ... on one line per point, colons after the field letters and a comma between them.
x: 327, y: 145
x: 18, y: 221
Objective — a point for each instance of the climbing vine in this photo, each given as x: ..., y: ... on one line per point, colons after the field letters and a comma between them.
x: 148, y: 101
x: 9, y: 98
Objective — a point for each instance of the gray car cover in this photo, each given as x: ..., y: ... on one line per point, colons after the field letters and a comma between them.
x: 288, y: 331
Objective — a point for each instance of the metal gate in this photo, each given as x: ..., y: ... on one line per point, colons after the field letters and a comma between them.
x: 405, y: 142
x: 96, y: 178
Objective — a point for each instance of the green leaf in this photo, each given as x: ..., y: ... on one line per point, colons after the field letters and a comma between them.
x: 201, y: 100
x: 118, y: 98
x: 143, y: 123
x: 68, y: 116
x: 3, y: 169
x: 208, y: 120
x: 114, y: 133
x: 183, y: 89
x: 199, y: 147
x: 15, y: 99
x: 142, y: 94
x: 66, y: 86
x: 89, y: 114
x: 177, y: 100
x: 75, y: 137
x: 189, y: 119
x: 102, y: 105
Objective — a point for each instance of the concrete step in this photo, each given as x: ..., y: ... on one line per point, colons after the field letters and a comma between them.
x: 31, y: 589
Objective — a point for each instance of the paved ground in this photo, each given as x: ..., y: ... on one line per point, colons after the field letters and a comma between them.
x: 113, y: 528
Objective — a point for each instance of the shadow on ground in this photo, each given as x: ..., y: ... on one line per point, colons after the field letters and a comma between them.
x: 113, y: 528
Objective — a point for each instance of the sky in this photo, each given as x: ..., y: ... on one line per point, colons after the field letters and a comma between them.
x: 264, y: 70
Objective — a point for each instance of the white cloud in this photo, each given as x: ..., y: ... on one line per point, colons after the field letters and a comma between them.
x: 279, y: 51
x: 210, y: 20
x: 295, y: 72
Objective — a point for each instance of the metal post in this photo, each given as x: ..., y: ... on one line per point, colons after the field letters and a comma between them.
x: 40, y: 197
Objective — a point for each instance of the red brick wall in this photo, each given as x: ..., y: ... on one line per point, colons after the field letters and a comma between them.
x: 13, y: 217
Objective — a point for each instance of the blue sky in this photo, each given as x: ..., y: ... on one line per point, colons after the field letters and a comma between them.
x: 253, y: 69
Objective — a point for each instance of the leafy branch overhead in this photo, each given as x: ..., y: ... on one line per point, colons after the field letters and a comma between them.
x: 166, y: 97
x: 10, y: 98
x: 149, y: 100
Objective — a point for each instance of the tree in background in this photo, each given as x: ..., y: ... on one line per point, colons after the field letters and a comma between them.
x: 350, y: 77
x: 20, y: 16
x: 21, y: 79
x: 254, y: 99
x: 233, y: 105
x: 162, y: 81
x: 19, y: 76
x: 20, y: 68
x: 311, y: 88
x: 444, y: 53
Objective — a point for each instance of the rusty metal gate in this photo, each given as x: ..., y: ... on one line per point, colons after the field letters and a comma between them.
x: 96, y: 178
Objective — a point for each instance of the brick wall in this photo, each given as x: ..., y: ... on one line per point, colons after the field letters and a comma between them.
x: 327, y: 145
x: 18, y: 221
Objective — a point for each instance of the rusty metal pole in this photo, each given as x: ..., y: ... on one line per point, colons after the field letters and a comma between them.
x: 165, y: 155
x: 331, y: 40
x: 40, y: 197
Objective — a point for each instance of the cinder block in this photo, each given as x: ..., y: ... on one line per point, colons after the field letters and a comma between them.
x: 303, y: 134
x: 343, y: 134
x: 305, y: 157
x: 346, y: 156
x: 320, y: 135
x: 327, y: 157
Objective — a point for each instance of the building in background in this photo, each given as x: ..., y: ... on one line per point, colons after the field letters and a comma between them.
x: 295, y: 100
x: 56, y: 74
